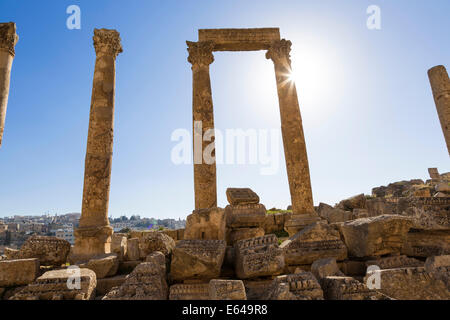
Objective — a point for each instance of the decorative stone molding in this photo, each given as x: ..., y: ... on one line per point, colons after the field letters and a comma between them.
x: 279, y: 51
x: 107, y: 42
x: 8, y: 37
x: 200, y: 53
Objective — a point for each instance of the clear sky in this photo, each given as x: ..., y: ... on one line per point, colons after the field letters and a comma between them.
x: 368, y: 113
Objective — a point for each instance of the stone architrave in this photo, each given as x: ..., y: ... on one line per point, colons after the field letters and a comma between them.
x: 440, y: 85
x: 298, y: 286
x: 93, y: 236
x: 205, y: 187
x: 226, y: 290
x: 8, y: 40
x: 191, y: 291
x: 293, y: 138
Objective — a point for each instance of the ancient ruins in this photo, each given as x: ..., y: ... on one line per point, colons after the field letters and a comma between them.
x: 393, y: 244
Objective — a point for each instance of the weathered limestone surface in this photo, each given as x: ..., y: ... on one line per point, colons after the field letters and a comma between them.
x: 258, y: 257
x: 119, y: 246
x: 146, y: 282
x: 333, y: 215
x: 205, y: 224
x: 348, y: 288
x: 425, y: 243
x: 226, y: 290
x: 193, y: 291
x: 318, y: 240
x: 292, y: 132
x: 235, y: 235
x: 205, y: 187
x: 326, y: 267
x: 50, y: 251
x: 105, y: 285
x: 93, y: 236
x: 439, y: 266
x: 257, y: 289
x: 395, y: 262
x: 440, y: 85
x: 152, y: 241
x: 54, y: 285
x: 356, y: 202
x: 197, y: 259
x: 375, y: 236
x: 133, y: 252
x: 8, y: 41
x: 18, y: 272
x: 298, y: 286
x: 412, y: 284
x: 106, y: 266
x: 245, y: 215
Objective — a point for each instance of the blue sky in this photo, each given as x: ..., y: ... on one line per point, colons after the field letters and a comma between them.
x: 368, y: 113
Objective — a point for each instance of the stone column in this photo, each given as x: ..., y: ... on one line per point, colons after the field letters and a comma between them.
x: 200, y: 56
x: 293, y: 139
x: 440, y: 85
x: 8, y: 40
x: 93, y: 237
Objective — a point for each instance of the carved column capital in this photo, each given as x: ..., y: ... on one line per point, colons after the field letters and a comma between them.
x: 8, y: 37
x: 107, y: 42
x: 279, y: 51
x: 200, y: 53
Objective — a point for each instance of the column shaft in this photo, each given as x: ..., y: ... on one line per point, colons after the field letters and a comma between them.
x: 94, y: 233
x: 205, y: 188
x: 8, y: 40
x: 440, y: 85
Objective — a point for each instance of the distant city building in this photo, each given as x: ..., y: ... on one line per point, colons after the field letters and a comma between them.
x: 66, y: 234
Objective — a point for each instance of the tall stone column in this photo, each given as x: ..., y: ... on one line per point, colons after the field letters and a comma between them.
x: 200, y: 56
x: 440, y: 85
x: 293, y: 139
x: 8, y: 40
x: 93, y: 237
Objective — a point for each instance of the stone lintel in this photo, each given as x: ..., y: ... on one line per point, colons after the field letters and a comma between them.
x: 240, y: 39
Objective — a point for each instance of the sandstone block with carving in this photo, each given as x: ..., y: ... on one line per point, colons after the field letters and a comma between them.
x: 197, y: 259
x: 61, y: 285
x: 205, y: 224
x: 412, y: 284
x: 155, y: 241
x: 258, y: 257
x: 375, y: 236
x: 245, y: 215
x: 146, y: 282
x: 236, y: 196
x: 234, y: 235
x: 298, y: 286
x: 194, y: 291
x: 348, y: 288
x: 18, y: 272
x: 50, y: 251
x: 227, y: 290
x: 316, y: 241
x: 427, y: 243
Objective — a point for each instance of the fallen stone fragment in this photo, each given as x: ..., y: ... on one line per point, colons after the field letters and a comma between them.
x: 205, y: 224
x: 67, y: 284
x: 197, y: 259
x: 348, y: 288
x: 226, y: 290
x: 258, y: 257
x: 298, y: 286
x: 18, y: 272
x: 189, y: 291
